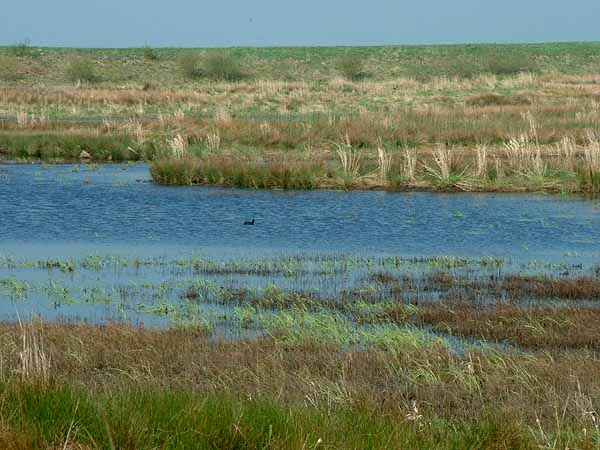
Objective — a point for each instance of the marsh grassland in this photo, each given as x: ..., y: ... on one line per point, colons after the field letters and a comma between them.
x: 474, y: 117
x: 300, y: 351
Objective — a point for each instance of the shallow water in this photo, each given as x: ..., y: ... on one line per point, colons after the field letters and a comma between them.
x: 122, y: 248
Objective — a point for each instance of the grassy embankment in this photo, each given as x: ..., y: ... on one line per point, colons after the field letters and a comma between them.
x: 499, y: 118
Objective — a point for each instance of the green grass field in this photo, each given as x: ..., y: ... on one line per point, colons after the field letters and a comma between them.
x: 47, y: 65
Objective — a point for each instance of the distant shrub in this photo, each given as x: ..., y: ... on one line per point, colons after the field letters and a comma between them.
x: 461, y: 67
x: 351, y: 66
x: 81, y: 69
x: 150, y: 54
x: 508, y: 64
x: 22, y: 48
x: 500, y: 62
x: 222, y: 66
x: 216, y: 65
x: 189, y: 64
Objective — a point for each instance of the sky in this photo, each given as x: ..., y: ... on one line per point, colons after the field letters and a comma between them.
x: 224, y: 23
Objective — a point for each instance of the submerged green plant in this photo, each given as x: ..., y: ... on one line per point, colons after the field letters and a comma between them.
x: 59, y: 294
x: 16, y: 289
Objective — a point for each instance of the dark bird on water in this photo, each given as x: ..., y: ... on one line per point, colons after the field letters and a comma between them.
x: 249, y: 222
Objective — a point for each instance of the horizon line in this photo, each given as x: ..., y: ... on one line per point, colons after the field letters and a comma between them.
x: 222, y: 46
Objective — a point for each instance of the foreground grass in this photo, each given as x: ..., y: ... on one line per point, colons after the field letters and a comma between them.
x: 80, y: 386
x: 149, y: 417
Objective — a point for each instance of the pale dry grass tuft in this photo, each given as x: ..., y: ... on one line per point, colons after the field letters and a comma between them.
x: 34, y: 362
x: 524, y: 153
x: 442, y: 156
x: 384, y: 161
x: 179, y: 116
x: 482, y: 160
x: 349, y: 157
x: 136, y: 129
x: 567, y: 153
x: 213, y: 141
x: 223, y: 116
x: 409, y: 166
x: 23, y: 119
x: 178, y: 147
x: 591, y: 153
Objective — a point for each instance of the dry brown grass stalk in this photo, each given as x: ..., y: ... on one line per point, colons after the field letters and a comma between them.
x: 34, y: 361
x: 178, y: 146
x: 349, y: 157
x: 384, y: 161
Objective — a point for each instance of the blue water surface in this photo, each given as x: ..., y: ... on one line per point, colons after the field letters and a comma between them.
x: 56, y: 210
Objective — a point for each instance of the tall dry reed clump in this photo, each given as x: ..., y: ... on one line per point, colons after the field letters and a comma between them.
x: 384, y: 162
x: 446, y: 171
x: 350, y: 159
x: 34, y: 362
x: 178, y: 147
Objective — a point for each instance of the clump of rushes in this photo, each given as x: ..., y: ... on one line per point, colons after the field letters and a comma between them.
x: 234, y: 173
x: 175, y: 171
x: 82, y: 69
x: 351, y: 66
x: 444, y: 171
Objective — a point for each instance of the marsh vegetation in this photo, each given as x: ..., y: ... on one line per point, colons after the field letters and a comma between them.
x: 453, y: 117
x: 386, y: 352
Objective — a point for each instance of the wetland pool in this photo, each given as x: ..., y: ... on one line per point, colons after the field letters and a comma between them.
x: 100, y: 243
